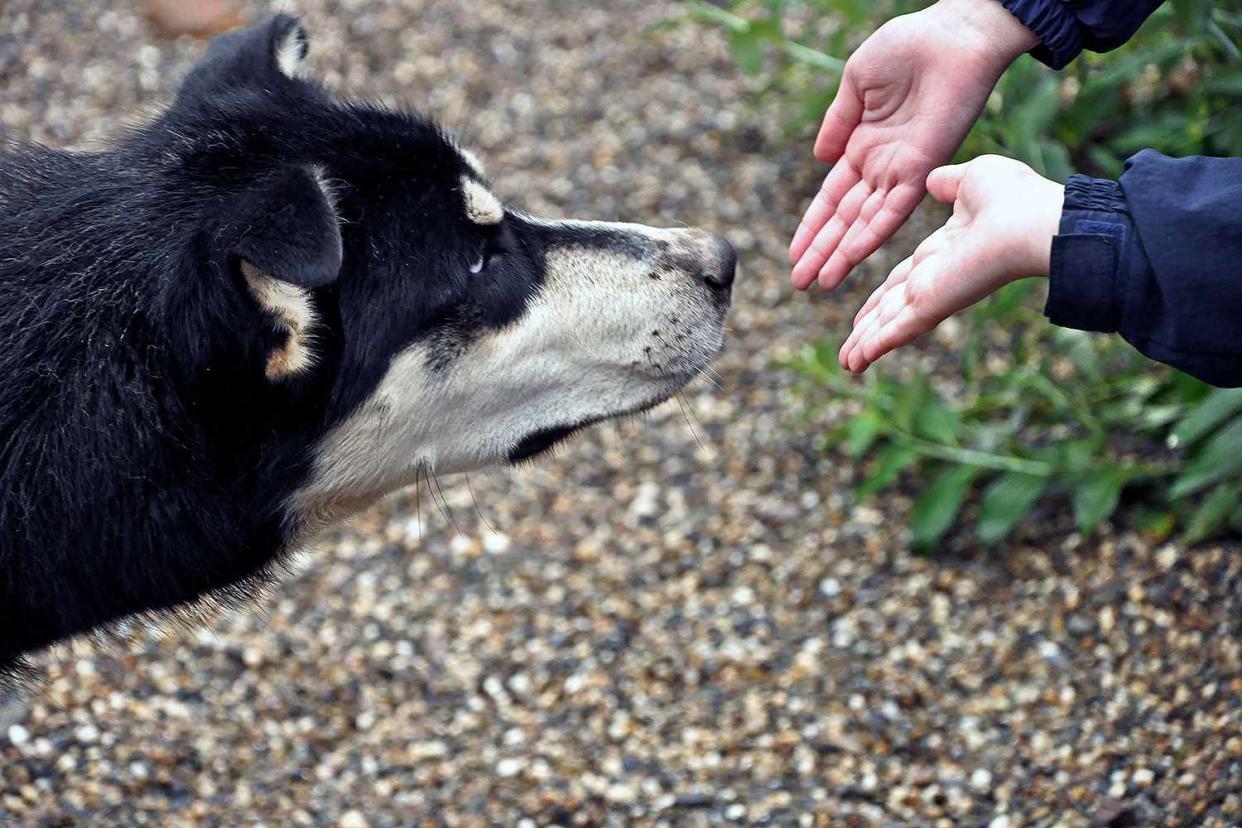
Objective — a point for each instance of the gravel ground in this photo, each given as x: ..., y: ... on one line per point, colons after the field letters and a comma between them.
x: 665, y: 624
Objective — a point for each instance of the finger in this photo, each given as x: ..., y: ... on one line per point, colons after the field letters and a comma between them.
x: 899, y: 274
x: 889, y: 306
x: 846, y: 356
x: 867, y: 237
x: 903, y: 329
x: 829, y: 244
x: 842, y: 117
x: 829, y: 236
x: 944, y: 182
x: 839, y: 181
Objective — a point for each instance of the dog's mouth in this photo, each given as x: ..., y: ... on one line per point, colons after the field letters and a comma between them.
x: 545, y: 439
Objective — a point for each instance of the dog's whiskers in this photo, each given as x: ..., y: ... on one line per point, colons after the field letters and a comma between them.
x: 446, y: 511
x: 686, y: 414
x: 418, y: 510
x: 477, y: 510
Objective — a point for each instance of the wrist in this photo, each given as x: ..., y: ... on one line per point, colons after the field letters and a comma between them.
x: 988, y: 28
x: 1047, y: 202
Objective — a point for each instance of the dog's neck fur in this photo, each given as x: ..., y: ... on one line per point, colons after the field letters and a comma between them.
x: 108, y: 445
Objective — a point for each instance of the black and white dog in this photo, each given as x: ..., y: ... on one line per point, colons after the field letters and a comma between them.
x: 267, y: 309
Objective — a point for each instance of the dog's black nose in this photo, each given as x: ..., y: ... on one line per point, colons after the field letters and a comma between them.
x: 719, y: 274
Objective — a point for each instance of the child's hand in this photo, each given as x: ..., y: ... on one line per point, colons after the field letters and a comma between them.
x: 1004, y: 219
x: 908, y: 97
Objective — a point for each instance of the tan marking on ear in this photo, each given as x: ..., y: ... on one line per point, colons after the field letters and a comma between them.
x: 291, y: 53
x: 482, y: 206
x: 291, y: 309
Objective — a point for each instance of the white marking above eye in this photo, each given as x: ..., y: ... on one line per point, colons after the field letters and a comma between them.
x: 477, y: 267
x: 482, y: 206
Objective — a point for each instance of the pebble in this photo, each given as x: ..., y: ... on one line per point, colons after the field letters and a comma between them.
x: 18, y: 735
x: 637, y: 629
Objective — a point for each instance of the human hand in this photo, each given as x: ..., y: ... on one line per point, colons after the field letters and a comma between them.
x: 1004, y: 218
x: 907, y: 99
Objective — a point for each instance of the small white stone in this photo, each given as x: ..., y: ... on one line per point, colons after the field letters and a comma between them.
x: 1049, y: 651
x: 830, y: 587
x: 735, y: 812
x: 981, y: 780
x: 18, y: 735
x: 1167, y: 557
x: 743, y: 595
x: 86, y: 733
x: 353, y: 819
x: 622, y: 793
x: 496, y: 543
x: 509, y: 767
x: 1143, y: 777
x: 1001, y: 821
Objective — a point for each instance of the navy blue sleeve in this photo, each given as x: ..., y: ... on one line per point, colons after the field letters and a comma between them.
x: 1066, y: 27
x: 1157, y: 257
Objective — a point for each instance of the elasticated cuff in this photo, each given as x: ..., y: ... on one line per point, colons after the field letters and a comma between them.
x: 1090, y: 257
x: 1085, y: 193
x: 1060, y: 40
x: 1082, y: 290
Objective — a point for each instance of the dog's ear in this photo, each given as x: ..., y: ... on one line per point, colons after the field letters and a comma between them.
x: 285, y: 242
x: 255, y: 286
x: 287, y: 229
x: 273, y: 51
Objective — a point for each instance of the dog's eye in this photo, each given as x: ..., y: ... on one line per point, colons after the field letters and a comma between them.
x: 487, y: 260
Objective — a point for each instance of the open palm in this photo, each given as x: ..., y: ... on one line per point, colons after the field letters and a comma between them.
x: 907, y: 99
x: 1004, y: 218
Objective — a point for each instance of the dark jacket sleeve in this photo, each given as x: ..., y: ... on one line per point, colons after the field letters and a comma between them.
x: 1157, y: 257
x: 1066, y: 27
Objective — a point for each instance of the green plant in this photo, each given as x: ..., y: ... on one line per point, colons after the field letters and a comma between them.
x: 1174, y: 87
x: 1039, y: 414
x: 1061, y: 415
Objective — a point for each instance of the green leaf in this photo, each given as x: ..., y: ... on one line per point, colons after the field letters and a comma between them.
x: 1219, y: 406
x: 1005, y: 502
x: 938, y: 506
x: 1156, y: 524
x: 1213, y: 512
x: 907, y: 401
x: 1079, y: 348
x: 1220, y: 457
x: 706, y: 12
x: 890, y: 463
x: 1097, y: 497
x: 861, y: 433
x: 936, y: 422
x: 747, y: 51
x: 1075, y: 457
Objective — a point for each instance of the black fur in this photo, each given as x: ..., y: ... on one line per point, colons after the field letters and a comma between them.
x: 145, y: 459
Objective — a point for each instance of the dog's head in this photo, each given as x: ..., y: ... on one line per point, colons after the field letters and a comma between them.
x: 398, y: 314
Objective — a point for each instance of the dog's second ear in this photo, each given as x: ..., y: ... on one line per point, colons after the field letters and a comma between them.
x: 272, y: 51
x: 288, y: 229
x: 287, y: 242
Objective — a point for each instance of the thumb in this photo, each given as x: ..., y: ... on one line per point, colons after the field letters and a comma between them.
x: 944, y: 182
x: 840, y: 120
